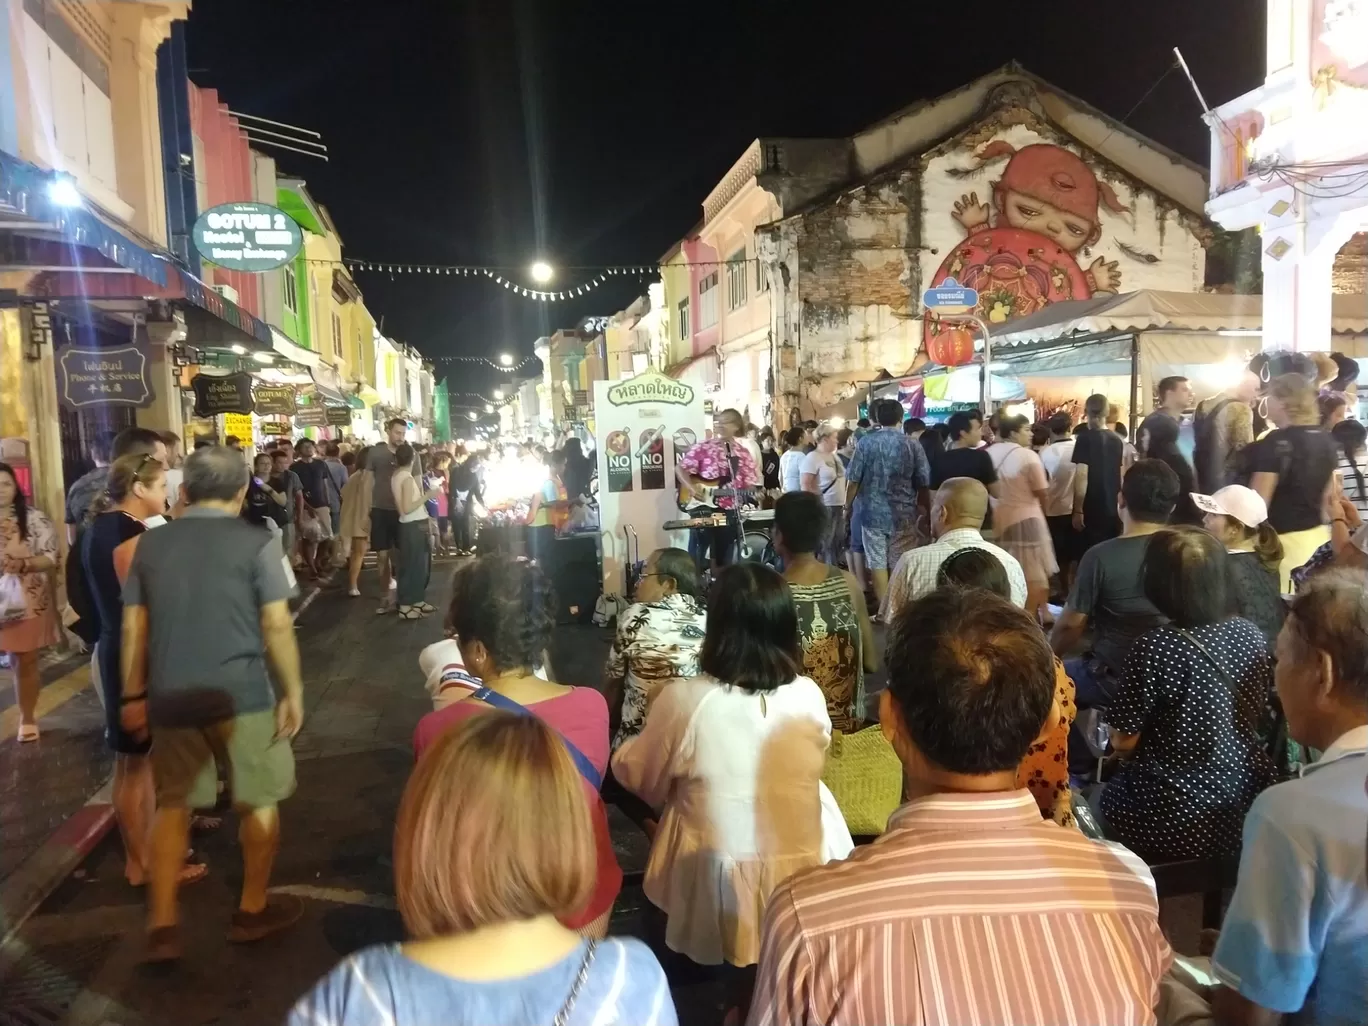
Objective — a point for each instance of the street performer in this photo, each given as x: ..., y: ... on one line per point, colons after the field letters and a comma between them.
x: 710, y: 474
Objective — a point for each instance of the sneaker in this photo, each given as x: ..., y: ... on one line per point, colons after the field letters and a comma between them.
x: 354, y: 592
x: 281, y: 911
x: 163, y: 945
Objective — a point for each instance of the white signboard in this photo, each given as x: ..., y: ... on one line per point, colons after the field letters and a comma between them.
x: 644, y: 425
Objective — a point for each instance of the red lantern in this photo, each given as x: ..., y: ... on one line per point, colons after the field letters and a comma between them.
x: 951, y: 346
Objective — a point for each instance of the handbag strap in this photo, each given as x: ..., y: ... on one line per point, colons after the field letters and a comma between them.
x: 587, y: 769
x: 563, y: 1016
x: 1225, y: 675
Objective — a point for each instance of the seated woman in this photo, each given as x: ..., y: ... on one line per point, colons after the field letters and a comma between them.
x: 1188, y: 709
x: 503, y: 613
x: 1045, y: 770
x: 1238, y: 517
x: 493, y: 851
x: 733, y: 759
x: 833, y: 619
x: 658, y: 639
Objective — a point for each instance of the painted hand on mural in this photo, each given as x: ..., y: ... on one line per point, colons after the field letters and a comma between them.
x: 1104, y: 276
x: 970, y: 213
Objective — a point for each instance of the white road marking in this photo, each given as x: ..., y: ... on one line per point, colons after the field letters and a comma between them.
x: 336, y: 895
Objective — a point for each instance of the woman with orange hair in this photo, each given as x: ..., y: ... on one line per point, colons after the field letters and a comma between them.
x: 494, y: 845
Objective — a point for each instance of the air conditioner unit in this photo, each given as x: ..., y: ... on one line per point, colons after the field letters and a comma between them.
x: 227, y: 292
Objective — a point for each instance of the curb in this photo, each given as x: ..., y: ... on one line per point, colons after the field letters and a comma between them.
x: 307, y: 601
x: 24, y: 890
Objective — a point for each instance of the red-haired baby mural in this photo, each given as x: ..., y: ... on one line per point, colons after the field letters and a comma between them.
x: 1022, y: 251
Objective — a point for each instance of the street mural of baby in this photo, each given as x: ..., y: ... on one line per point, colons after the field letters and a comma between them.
x: 1047, y: 190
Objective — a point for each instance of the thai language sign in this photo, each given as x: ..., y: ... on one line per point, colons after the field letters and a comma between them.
x: 88, y: 377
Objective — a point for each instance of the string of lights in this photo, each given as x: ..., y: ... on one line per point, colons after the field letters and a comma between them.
x: 510, y: 367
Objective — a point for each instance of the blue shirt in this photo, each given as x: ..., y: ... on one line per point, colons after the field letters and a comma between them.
x: 1295, y: 938
x: 382, y: 986
x: 889, y: 467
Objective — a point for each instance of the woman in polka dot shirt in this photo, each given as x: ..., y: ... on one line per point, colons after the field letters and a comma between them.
x: 1187, y: 713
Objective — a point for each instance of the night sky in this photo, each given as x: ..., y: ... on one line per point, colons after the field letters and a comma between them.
x: 494, y: 131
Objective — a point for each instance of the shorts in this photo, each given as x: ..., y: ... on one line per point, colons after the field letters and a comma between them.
x: 384, y: 533
x: 261, y: 769
x: 857, y: 528
x: 875, y: 544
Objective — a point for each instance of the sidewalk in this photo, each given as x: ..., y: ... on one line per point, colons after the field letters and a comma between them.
x: 54, y: 801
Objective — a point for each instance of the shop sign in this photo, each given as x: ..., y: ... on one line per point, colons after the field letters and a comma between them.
x: 338, y: 416
x: 250, y: 237
x: 651, y: 387
x: 274, y: 400
x: 227, y: 393
x: 239, y: 425
x: 90, y: 377
x: 311, y: 416
x: 276, y: 428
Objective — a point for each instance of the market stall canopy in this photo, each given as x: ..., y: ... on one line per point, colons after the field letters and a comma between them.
x: 1154, y: 310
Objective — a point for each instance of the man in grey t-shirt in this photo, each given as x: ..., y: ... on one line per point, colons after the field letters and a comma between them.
x: 384, y: 535
x: 205, y: 611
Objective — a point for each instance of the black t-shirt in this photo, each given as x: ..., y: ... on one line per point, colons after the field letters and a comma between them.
x: 316, y: 480
x: 1100, y: 450
x: 769, y: 465
x: 975, y: 463
x: 1303, y: 457
x: 1159, y: 431
x: 1110, y: 593
x: 105, y: 534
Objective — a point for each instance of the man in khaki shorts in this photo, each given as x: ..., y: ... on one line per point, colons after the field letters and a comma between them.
x: 198, y: 633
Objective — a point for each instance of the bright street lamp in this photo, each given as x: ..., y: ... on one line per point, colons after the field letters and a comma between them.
x: 498, y: 393
x: 473, y: 415
x: 489, y: 407
x: 542, y: 272
x: 506, y: 359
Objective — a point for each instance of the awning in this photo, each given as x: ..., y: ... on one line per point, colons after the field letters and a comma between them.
x: 703, y: 368
x: 330, y: 395
x: 292, y: 350
x: 24, y: 195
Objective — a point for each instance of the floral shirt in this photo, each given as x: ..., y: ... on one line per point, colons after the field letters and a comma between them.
x: 656, y: 642
x: 889, y: 471
x: 42, y: 541
x: 709, y: 460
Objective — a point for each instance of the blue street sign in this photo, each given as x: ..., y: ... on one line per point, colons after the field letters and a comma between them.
x: 949, y: 293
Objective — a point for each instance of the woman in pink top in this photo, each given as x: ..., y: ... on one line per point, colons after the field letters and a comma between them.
x: 503, y: 615
x: 1019, y: 524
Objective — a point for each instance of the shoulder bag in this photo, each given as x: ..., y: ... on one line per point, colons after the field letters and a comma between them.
x: 587, y: 769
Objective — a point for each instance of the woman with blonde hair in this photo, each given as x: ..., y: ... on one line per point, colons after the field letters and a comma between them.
x: 493, y: 847
x: 1293, y: 471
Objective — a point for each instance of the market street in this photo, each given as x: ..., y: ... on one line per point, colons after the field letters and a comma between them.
x: 77, y: 960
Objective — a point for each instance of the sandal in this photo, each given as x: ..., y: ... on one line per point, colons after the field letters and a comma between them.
x: 28, y: 732
x: 205, y: 824
x: 411, y: 613
x: 427, y: 608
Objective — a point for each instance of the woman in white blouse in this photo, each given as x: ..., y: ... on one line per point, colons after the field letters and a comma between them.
x: 733, y: 760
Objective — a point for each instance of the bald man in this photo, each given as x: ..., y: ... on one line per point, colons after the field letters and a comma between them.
x: 957, y: 513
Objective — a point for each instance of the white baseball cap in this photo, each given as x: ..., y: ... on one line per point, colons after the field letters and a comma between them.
x: 1244, y: 504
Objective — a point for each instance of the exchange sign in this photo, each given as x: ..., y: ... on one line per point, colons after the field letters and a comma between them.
x: 247, y: 237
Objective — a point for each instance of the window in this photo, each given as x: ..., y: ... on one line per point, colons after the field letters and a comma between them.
x: 761, y: 278
x: 707, y: 302
x: 291, y: 289
x: 736, y: 280
x: 337, y: 334
x: 683, y: 319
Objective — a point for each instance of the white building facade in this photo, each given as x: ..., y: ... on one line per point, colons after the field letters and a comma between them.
x: 1291, y: 158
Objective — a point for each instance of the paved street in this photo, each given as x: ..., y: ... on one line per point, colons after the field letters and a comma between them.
x: 77, y: 960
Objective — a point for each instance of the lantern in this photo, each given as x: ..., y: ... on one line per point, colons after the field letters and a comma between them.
x: 952, y: 346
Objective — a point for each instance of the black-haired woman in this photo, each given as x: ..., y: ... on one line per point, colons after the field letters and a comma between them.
x: 1193, y: 694
x: 28, y: 554
x: 503, y: 612
x: 1352, y: 439
x: 833, y: 620
x: 733, y: 761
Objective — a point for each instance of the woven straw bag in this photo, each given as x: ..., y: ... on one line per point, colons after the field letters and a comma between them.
x: 866, y: 778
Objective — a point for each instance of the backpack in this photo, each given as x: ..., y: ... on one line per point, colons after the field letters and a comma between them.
x: 1213, y: 471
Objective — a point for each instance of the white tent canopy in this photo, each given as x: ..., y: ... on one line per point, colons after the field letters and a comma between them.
x: 1123, y: 345
x: 1152, y: 310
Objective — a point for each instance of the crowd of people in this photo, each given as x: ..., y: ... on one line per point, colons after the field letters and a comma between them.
x: 1200, y: 693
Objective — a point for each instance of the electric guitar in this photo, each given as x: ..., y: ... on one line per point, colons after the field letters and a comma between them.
x: 705, y: 493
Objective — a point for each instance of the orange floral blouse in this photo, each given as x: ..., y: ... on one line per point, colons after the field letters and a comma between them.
x: 1045, y: 770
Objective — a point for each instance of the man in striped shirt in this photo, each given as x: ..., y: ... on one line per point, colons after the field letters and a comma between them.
x: 970, y: 909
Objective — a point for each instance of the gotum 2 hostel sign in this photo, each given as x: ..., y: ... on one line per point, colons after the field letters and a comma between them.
x: 247, y: 237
